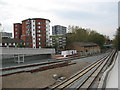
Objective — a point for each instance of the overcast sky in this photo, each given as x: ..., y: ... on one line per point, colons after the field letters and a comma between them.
x: 99, y: 15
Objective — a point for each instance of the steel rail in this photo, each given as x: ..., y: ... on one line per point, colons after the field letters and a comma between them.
x: 90, y: 79
x: 20, y: 69
x: 78, y: 75
x: 16, y: 69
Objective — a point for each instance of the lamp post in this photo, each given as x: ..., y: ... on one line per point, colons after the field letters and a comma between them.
x: 0, y: 27
x: 0, y: 30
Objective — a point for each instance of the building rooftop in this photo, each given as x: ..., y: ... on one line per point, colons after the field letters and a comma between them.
x: 58, y: 25
x: 5, y: 34
x: 57, y: 35
x: 12, y: 40
x: 86, y: 43
x: 18, y: 23
x: 35, y: 19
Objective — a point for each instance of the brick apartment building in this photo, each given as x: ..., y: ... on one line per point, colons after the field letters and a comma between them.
x: 34, y: 31
x: 17, y: 30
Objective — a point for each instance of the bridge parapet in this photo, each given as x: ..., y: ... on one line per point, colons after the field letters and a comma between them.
x: 4, y: 50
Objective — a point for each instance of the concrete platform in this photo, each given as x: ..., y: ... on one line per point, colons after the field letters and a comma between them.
x: 112, y: 81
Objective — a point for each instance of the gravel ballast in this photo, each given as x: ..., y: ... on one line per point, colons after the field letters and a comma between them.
x: 40, y: 79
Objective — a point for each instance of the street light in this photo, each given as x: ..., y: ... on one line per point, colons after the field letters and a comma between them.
x: 1, y: 29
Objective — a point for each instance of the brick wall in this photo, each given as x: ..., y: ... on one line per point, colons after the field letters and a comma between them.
x: 17, y: 30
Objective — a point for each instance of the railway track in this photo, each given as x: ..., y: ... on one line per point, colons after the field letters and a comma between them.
x: 32, y: 67
x: 89, y: 80
x: 95, y: 67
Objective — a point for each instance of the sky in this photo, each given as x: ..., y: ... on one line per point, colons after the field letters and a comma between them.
x: 98, y: 15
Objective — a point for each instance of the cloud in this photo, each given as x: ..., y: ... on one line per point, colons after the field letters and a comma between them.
x: 100, y: 15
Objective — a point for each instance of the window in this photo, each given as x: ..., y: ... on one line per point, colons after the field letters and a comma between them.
x: 15, y: 32
x: 15, y: 25
x: 39, y: 23
x: 28, y: 27
x: 28, y: 22
x: 27, y: 39
x: 39, y: 27
x: 27, y: 31
x: 16, y: 37
x: 15, y: 29
x: 5, y: 44
x: 33, y: 38
x: 27, y: 43
x: 39, y: 31
x: 33, y: 29
x: 39, y: 35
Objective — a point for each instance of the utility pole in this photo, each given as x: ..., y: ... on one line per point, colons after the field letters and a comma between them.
x: 1, y: 29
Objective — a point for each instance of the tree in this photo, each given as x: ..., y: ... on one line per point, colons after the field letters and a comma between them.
x: 107, y: 40
x: 78, y: 34
x: 96, y: 38
x: 116, y: 40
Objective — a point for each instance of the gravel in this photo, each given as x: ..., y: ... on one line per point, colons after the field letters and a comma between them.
x: 40, y: 79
